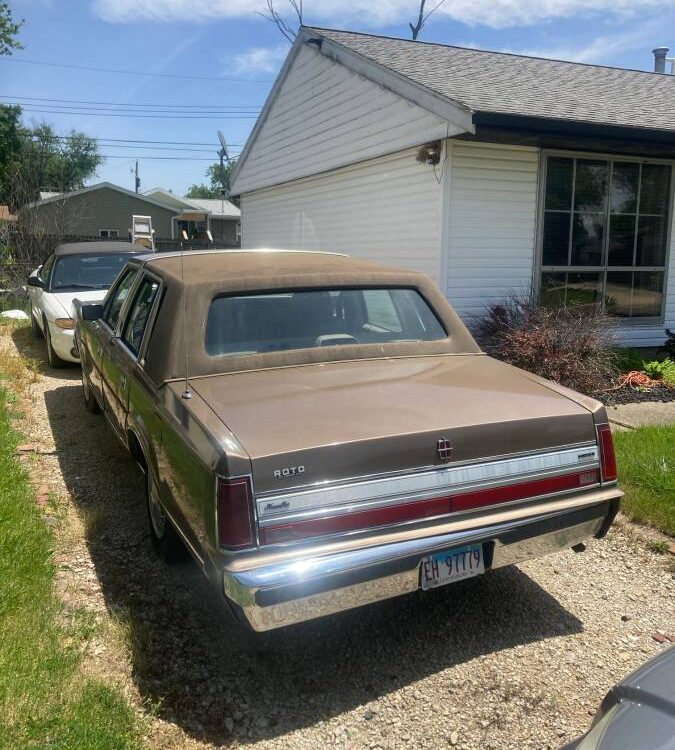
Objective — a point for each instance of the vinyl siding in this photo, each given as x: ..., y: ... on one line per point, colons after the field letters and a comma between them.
x: 385, y: 209
x: 326, y: 116
x: 85, y: 214
x: 489, y: 238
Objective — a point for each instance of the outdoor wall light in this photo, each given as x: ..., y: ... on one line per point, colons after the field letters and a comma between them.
x: 430, y: 153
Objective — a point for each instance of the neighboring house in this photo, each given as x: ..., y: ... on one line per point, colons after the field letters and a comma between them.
x: 219, y: 216
x: 7, y: 219
x: 105, y: 210
x: 491, y: 172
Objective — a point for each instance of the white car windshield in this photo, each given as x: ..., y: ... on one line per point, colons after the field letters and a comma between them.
x: 328, y: 317
x: 86, y: 271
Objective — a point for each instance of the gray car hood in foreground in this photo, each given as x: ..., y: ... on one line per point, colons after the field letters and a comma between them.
x: 639, y: 713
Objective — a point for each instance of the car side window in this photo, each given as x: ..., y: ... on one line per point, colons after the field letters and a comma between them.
x: 139, y: 312
x: 114, y: 303
x: 46, y: 269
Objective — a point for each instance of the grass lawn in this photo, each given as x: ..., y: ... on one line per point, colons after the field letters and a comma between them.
x: 646, y: 461
x: 45, y: 699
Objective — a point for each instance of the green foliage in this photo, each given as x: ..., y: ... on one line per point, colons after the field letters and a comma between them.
x: 660, y: 370
x: 626, y: 359
x: 45, y: 161
x: 646, y: 461
x: 214, y: 187
x: 44, y: 699
x: 9, y: 30
x: 10, y: 145
x: 660, y: 547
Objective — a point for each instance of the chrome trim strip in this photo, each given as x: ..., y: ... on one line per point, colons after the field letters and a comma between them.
x: 288, y: 489
x: 428, y: 483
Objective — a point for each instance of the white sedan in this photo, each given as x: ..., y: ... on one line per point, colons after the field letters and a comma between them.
x: 76, y: 270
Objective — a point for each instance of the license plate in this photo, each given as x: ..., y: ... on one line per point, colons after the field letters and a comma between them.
x: 451, y: 565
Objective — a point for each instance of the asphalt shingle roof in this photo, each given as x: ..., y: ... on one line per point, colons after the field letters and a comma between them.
x: 497, y: 82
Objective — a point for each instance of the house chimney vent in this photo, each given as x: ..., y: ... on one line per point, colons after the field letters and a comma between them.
x: 660, y: 54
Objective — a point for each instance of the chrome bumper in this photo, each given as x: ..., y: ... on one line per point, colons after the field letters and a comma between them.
x: 308, y: 586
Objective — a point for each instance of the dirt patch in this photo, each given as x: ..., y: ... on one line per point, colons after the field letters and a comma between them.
x: 520, y: 658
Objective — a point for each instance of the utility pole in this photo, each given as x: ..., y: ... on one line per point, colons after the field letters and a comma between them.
x: 137, y: 179
x: 222, y: 155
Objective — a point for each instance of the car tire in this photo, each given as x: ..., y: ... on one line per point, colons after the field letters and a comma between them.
x: 164, y: 536
x: 35, y: 327
x: 54, y: 360
x: 90, y: 402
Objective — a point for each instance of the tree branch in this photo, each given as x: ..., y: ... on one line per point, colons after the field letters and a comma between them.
x: 274, y: 16
x: 423, y: 17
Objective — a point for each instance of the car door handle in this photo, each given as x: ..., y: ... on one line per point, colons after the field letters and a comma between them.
x: 123, y: 381
x: 100, y: 350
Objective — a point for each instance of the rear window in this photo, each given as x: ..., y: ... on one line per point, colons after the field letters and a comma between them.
x: 86, y: 271
x: 258, y: 323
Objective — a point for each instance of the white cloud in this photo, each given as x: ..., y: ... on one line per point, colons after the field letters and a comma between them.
x: 368, y: 13
x: 602, y: 48
x: 256, y: 61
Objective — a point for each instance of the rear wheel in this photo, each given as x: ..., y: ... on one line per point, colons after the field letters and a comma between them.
x: 164, y: 537
x: 54, y: 359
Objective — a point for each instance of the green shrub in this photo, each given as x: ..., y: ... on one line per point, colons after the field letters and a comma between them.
x: 660, y: 370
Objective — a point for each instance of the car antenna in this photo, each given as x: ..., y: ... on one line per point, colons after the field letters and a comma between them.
x: 187, y: 393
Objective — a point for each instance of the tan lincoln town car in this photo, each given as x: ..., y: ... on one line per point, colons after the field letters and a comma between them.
x: 323, y: 432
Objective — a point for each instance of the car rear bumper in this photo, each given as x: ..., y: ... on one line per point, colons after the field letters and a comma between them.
x: 306, y: 586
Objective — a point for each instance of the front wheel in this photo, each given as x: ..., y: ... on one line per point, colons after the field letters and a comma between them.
x: 35, y: 326
x: 90, y: 402
x: 164, y: 537
x: 54, y: 359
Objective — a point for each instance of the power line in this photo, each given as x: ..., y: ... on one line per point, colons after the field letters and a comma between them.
x: 149, y: 148
x: 216, y: 116
x: 61, y: 102
x: 157, y: 158
x: 136, y: 140
x: 133, y: 72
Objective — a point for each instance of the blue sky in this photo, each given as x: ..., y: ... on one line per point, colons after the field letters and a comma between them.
x: 225, y: 39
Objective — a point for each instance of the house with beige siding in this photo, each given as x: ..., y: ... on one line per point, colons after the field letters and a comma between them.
x: 493, y: 173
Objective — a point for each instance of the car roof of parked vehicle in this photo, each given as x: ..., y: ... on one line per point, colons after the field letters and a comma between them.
x: 99, y: 248
x: 201, y: 276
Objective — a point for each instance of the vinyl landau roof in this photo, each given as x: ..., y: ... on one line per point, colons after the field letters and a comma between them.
x: 509, y: 84
x: 99, y: 248
x: 193, y: 281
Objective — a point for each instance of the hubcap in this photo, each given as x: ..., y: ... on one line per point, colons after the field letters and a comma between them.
x: 157, y: 515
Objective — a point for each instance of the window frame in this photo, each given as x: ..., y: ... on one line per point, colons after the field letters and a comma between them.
x: 107, y: 301
x: 108, y: 235
x: 126, y: 312
x: 539, y: 267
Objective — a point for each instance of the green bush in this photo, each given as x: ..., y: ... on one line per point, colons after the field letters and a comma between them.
x: 660, y: 370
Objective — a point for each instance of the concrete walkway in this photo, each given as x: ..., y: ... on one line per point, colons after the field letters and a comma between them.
x: 642, y: 414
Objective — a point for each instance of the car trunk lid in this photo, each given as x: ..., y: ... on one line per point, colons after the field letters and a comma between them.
x: 325, y: 426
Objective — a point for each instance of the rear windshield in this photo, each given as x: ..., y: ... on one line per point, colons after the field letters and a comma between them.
x: 259, y: 323
x: 87, y: 271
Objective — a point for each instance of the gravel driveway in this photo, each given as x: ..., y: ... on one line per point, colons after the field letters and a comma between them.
x: 517, y: 659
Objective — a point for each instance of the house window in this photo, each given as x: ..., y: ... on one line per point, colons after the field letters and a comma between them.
x: 108, y: 234
x: 605, y: 234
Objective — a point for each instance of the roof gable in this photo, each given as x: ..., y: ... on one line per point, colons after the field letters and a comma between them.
x: 58, y: 197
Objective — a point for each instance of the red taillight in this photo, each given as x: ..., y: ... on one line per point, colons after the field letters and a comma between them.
x: 607, y: 457
x: 235, y: 513
x: 421, y: 509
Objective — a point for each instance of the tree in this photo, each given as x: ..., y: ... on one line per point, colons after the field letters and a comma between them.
x: 214, y: 188
x: 423, y: 17
x: 274, y: 16
x: 10, y: 146
x: 9, y: 30
x: 46, y: 161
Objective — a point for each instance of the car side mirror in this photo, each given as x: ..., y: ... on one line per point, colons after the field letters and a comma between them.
x: 35, y: 281
x: 91, y: 312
